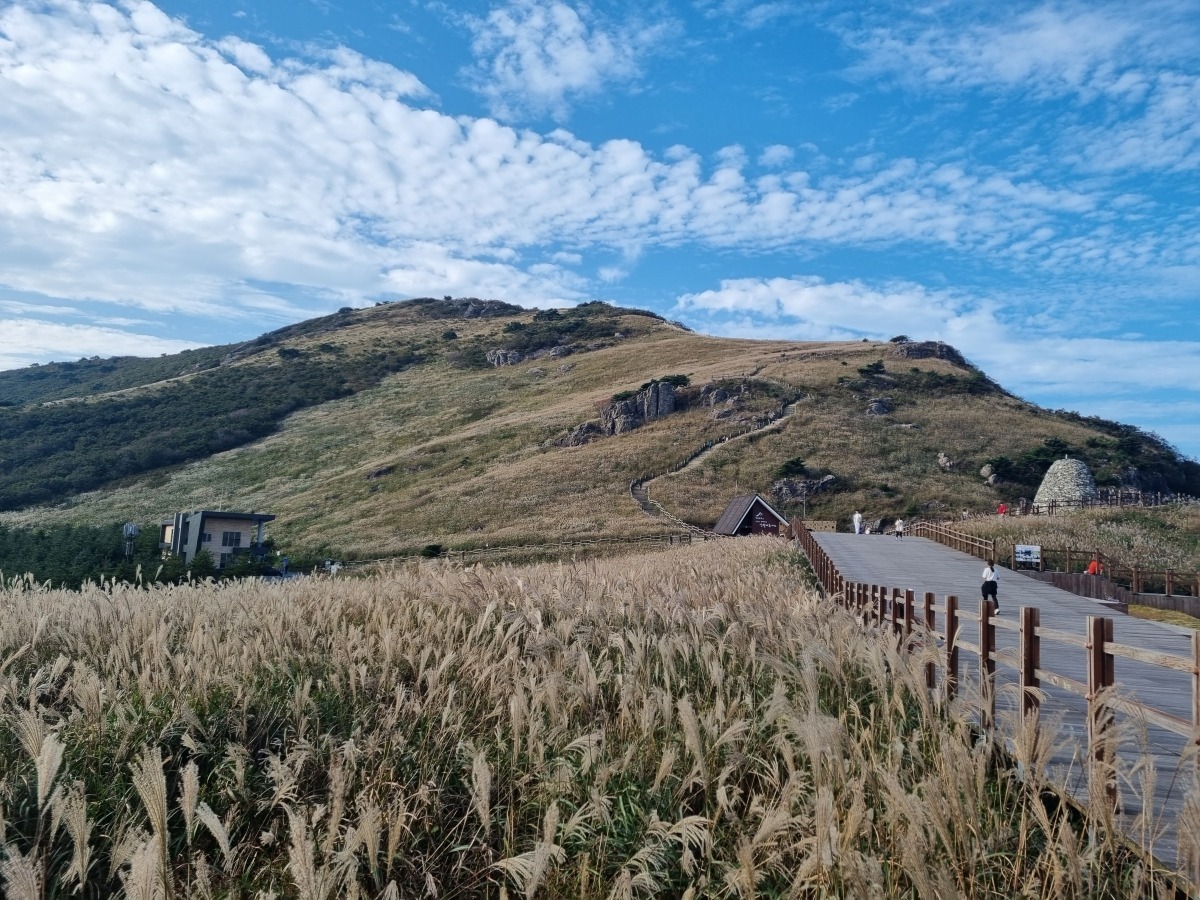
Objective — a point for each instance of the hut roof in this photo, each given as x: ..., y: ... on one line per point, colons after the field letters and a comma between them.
x: 736, y: 512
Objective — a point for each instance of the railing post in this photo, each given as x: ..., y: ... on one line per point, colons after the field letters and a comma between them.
x: 1100, y: 675
x: 930, y: 633
x: 879, y: 597
x: 1030, y: 659
x: 909, y: 609
x: 951, y: 679
x: 987, y: 661
x: 895, y: 609
x: 1170, y: 579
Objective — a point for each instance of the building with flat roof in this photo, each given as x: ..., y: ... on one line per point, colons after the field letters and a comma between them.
x: 223, y: 534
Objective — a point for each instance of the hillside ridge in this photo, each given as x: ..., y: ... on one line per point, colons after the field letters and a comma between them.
x: 377, y: 430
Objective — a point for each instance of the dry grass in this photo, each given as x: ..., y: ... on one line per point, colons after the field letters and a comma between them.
x: 472, y: 458
x: 1157, y: 538
x: 690, y: 724
x: 1167, y: 616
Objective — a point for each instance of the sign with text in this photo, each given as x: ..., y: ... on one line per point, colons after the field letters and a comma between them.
x: 1028, y: 553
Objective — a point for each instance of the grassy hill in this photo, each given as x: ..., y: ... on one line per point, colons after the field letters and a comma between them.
x: 376, y: 431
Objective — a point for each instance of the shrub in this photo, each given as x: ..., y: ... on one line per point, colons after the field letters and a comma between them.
x: 429, y: 551
x: 793, y: 468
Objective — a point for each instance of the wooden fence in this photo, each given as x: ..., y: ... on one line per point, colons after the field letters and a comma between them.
x: 1162, y: 589
x: 1104, y: 499
x: 897, y: 612
x: 957, y: 540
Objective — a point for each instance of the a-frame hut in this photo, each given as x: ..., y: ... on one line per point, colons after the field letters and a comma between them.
x: 750, y: 514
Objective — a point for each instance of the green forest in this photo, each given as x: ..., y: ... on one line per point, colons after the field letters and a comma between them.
x: 48, y: 452
x: 70, y: 555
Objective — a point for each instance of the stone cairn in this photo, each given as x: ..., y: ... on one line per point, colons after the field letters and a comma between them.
x: 1068, y: 483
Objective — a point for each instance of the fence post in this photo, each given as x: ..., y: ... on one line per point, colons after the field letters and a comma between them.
x: 951, y: 679
x: 1100, y: 675
x: 1030, y: 659
x: 1170, y: 579
x: 895, y: 609
x: 987, y: 661
x: 909, y: 609
x: 879, y: 597
x: 930, y: 634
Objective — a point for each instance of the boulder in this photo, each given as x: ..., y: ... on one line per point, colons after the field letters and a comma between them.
x: 654, y: 402
x: 926, y: 350
x: 944, y: 462
x: 535, y: 372
x: 500, y: 357
x: 796, y: 489
x: 987, y: 472
x: 580, y: 434
x: 880, y: 406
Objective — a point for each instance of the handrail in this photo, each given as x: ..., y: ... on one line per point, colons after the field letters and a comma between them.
x: 896, y: 612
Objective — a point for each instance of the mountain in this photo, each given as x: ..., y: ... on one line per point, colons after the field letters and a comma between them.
x: 466, y: 422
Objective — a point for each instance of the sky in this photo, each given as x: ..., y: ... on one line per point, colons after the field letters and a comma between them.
x: 1018, y: 179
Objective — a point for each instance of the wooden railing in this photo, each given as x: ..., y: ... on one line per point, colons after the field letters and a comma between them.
x: 958, y: 540
x: 1132, y: 579
x: 1106, y: 498
x: 896, y: 611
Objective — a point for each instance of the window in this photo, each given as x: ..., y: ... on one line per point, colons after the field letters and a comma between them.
x: 206, y: 538
x: 231, y: 539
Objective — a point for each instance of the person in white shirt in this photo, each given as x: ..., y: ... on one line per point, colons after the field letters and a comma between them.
x: 900, y: 529
x: 991, y: 583
x: 857, y: 517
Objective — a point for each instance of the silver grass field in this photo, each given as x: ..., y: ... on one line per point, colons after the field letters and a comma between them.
x: 691, y: 723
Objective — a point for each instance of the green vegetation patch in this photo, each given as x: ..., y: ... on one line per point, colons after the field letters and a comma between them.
x: 49, y: 452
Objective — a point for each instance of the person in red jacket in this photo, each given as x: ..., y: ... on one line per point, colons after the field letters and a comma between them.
x: 1094, y: 567
x: 1002, y: 509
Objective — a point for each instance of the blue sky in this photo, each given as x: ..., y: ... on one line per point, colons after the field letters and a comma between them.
x: 1019, y: 179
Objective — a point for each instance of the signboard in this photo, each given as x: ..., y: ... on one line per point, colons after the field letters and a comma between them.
x: 1028, y: 553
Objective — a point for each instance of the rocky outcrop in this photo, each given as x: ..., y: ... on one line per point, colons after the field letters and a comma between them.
x: 1068, y: 481
x: 711, y: 395
x: 880, y: 406
x: 653, y: 402
x: 927, y: 350
x: 797, y: 489
x: 499, y: 357
x: 944, y: 462
x: 580, y: 435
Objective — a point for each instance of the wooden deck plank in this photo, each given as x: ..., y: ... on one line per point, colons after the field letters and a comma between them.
x: 923, y: 565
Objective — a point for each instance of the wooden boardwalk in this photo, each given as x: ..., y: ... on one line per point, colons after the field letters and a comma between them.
x: 923, y: 565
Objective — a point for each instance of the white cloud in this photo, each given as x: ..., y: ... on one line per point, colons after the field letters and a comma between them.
x: 1109, y: 375
x: 143, y: 164
x: 1137, y: 61
x: 25, y: 341
x: 750, y: 13
x: 775, y: 156
x: 541, y: 55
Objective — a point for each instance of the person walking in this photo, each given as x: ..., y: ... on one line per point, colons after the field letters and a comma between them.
x: 900, y: 529
x: 991, y: 584
x: 857, y: 519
